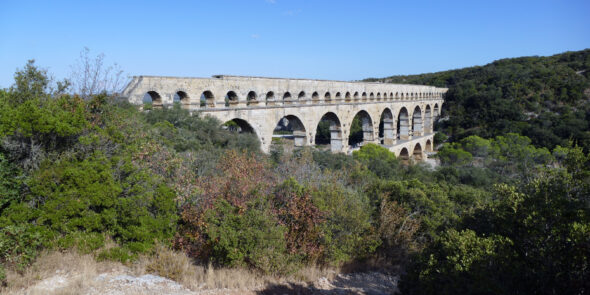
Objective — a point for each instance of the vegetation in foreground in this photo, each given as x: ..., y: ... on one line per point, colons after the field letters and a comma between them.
x: 500, y: 216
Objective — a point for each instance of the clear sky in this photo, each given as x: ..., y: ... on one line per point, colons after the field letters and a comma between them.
x: 339, y: 40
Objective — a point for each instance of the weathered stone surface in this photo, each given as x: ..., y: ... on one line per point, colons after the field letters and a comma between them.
x: 262, y: 102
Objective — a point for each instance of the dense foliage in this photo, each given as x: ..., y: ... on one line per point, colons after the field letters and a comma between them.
x: 543, y: 98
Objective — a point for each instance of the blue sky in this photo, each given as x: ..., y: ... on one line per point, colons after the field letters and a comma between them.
x: 339, y: 40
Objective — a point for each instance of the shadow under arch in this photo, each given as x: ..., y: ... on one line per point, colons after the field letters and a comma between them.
x: 404, y: 156
x: 428, y: 146
x: 289, y: 128
x: 329, y: 131
x: 417, y: 153
x: 417, y: 122
x: 238, y: 125
x: 361, y: 128
x: 386, y: 128
x: 403, y: 124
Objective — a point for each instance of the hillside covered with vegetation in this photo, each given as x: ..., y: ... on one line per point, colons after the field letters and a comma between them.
x: 99, y: 176
x: 544, y: 98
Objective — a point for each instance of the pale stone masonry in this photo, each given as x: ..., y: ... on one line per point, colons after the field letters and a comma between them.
x: 257, y: 104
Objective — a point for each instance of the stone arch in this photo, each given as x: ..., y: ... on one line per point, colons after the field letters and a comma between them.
x: 356, y: 95
x: 391, y: 95
x: 327, y: 97
x: 153, y: 98
x: 231, y: 99
x: 287, y: 98
x: 252, y: 98
x: 301, y: 95
x: 403, y: 124
x: 207, y: 99
x: 428, y: 146
x: 270, y: 98
x: 436, y: 111
x: 371, y: 96
x: 384, y: 95
x: 387, y: 127
x: 417, y: 153
x: 417, y: 122
x: 404, y: 156
x: 347, y: 96
x: 338, y: 97
x: 364, y: 96
x: 378, y: 96
x: 315, y: 97
x: 427, y: 120
x: 331, y: 122
x: 182, y: 98
x: 291, y: 127
x: 364, y: 134
x: 239, y: 125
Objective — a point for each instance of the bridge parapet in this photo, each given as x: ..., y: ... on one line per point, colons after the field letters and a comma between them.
x: 222, y: 91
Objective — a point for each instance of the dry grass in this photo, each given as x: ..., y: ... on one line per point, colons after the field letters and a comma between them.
x: 180, y: 268
x: 62, y: 272
x: 72, y: 273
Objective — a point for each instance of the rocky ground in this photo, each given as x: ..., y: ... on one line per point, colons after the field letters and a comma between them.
x: 123, y: 283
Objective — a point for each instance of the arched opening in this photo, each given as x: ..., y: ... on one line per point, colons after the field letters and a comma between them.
x: 427, y: 120
x: 402, y: 96
x: 417, y: 122
x: 391, y: 95
x: 386, y: 128
x: 181, y: 98
x: 384, y: 95
x: 238, y: 126
x: 231, y: 99
x: 364, y: 96
x: 417, y: 153
x: 371, y: 96
x: 403, y: 124
x: 207, y: 100
x: 338, y: 96
x: 315, y: 97
x: 270, y: 98
x: 151, y: 100
x: 287, y: 98
x: 288, y: 133
x: 328, y: 97
x: 428, y: 146
x: 378, y: 95
x: 356, y: 95
x: 361, y: 129
x: 404, y: 156
x: 329, y: 132
x: 436, y: 111
x: 252, y: 98
x: 301, y: 96
x: 347, y: 96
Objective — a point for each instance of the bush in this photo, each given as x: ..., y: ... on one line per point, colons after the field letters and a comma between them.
x: 248, y: 238
x: 348, y: 231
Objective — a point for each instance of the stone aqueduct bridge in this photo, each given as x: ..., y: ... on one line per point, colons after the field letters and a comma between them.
x: 257, y: 104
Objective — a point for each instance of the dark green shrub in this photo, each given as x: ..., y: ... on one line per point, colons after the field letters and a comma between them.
x: 248, y: 238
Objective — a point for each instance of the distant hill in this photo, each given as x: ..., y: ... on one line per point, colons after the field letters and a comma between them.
x: 544, y: 98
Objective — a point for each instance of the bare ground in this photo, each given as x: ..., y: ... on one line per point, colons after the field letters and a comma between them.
x: 71, y: 273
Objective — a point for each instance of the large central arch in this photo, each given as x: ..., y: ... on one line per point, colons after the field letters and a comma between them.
x: 387, y: 128
x: 329, y: 130
x: 290, y: 127
x: 361, y: 128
